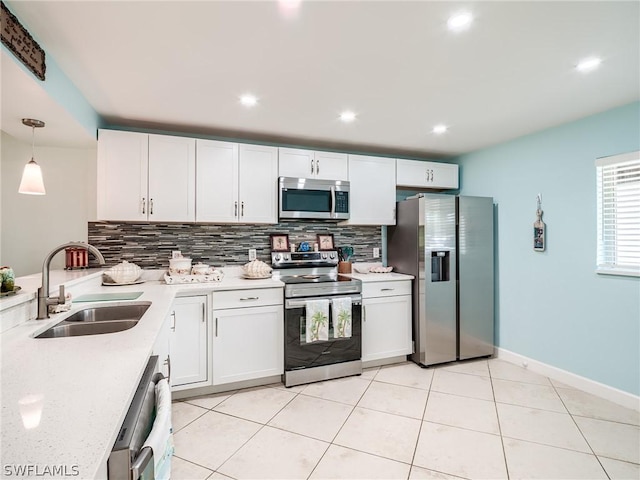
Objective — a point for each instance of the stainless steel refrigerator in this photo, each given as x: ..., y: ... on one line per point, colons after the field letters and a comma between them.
x: 446, y: 242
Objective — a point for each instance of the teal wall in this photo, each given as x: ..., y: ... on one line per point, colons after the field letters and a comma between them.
x: 60, y: 87
x: 552, y: 306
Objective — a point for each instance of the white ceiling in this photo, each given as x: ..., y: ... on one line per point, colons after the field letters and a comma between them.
x: 182, y: 66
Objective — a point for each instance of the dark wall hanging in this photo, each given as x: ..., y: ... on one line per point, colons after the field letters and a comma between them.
x: 16, y: 38
x: 539, y: 228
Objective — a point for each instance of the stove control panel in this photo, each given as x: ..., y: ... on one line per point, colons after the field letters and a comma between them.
x: 304, y: 259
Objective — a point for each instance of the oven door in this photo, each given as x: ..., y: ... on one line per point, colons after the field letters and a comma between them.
x: 299, y: 354
x: 316, y: 199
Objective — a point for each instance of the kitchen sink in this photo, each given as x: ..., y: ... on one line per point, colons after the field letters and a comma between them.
x: 98, y: 320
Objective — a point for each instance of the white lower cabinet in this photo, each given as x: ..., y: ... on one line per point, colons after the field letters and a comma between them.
x: 189, y: 342
x: 386, y: 320
x: 161, y: 349
x: 248, y: 341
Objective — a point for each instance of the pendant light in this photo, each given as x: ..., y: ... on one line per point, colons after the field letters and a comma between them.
x: 32, y: 183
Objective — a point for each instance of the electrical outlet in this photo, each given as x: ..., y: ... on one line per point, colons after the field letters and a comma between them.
x: 376, y: 252
x: 252, y: 254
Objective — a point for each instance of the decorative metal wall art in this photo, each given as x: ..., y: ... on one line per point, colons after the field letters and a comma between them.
x: 17, y: 39
x: 539, y: 228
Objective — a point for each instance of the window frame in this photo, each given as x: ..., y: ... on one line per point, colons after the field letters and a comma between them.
x: 603, y: 247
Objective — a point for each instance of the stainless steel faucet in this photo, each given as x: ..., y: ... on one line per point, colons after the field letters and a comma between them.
x: 43, y: 292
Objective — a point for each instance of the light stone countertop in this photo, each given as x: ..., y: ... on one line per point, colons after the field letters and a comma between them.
x: 64, y: 399
x: 376, y: 277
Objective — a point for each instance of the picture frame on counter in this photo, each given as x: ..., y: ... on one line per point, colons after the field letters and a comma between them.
x: 325, y: 241
x: 279, y: 242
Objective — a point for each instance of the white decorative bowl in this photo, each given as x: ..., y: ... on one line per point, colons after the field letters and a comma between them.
x: 200, y: 269
x: 124, y: 272
x: 381, y: 269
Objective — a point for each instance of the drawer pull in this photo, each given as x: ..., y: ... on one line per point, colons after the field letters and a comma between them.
x: 387, y: 289
x: 249, y: 298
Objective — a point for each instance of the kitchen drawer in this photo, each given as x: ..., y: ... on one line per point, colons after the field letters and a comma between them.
x: 254, y: 297
x: 386, y: 289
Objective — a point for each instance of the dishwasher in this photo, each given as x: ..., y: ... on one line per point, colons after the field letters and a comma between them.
x: 144, y: 445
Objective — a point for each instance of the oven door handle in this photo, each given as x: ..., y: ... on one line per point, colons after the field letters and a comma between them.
x: 291, y: 304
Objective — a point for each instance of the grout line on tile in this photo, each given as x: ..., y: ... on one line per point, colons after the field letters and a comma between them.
x: 580, y: 430
x: 531, y: 408
x: 194, y: 463
x: 205, y: 411
x: 495, y: 406
x: 424, y: 411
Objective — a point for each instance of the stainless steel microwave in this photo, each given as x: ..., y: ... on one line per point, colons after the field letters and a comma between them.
x: 315, y: 199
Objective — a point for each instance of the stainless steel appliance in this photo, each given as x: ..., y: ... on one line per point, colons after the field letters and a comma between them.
x: 129, y: 458
x: 311, y: 198
x: 314, y: 276
x: 446, y: 242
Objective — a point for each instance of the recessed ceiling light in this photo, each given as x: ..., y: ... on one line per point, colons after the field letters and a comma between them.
x: 459, y: 21
x: 588, y: 64
x: 248, y: 100
x: 440, y: 129
x: 347, y: 116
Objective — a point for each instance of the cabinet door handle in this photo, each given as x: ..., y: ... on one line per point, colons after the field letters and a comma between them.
x: 387, y: 289
x: 235, y: 210
x: 364, y: 313
x: 242, y: 209
x: 144, y: 206
x: 216, y: 326
x: 249, y: 298
x: 312, y: 167
x: 173, y: 323
x: 167, y: 362
x: 203, y: 313
x: 151, y: 206
x: 317, y: 167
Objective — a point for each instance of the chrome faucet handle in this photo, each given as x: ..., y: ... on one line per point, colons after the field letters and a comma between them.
x: 61, y: 296
x: 60, y: 299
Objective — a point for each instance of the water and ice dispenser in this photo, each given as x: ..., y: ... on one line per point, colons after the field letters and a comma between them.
x: 440, y: 266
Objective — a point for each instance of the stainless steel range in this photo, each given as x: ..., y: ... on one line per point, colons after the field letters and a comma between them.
x: 312, y: 282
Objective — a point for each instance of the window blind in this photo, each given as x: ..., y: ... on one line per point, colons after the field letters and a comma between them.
x: 618, y: 184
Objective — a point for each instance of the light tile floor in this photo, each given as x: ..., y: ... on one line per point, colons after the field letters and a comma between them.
x: 484, y: 419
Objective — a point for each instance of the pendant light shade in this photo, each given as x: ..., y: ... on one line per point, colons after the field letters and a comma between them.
x: 32, y: 183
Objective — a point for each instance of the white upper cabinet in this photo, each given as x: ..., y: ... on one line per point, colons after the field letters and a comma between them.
x: 123, y: 161
x: 258, y: 180
x: 299, y: 163
x: 145, y: 177
x: 217, y: 181
x: 172, y: 179
x: 372, y: 197
x: 236, y: 183
x: 431, y: 175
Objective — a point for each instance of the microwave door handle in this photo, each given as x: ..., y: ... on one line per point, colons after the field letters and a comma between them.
x: 333, y: 202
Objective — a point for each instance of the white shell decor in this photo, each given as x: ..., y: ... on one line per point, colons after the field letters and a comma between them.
x: 124, y: 272
x: 256, y: 269
x: 212, y: 276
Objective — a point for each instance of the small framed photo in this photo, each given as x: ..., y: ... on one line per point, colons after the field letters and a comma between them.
x: 279, y: 242
x: 325, y: 242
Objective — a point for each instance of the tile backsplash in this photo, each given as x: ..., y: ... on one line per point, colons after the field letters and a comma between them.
x: 149, y: 245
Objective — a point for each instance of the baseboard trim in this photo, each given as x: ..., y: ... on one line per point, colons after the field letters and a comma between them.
x: 601, y: 390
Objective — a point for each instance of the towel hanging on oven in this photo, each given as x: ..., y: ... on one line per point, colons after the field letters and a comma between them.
x: 317, y: 320
x: 341, y: 314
